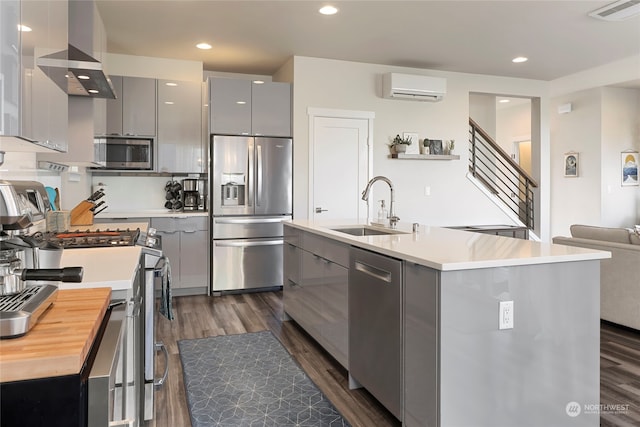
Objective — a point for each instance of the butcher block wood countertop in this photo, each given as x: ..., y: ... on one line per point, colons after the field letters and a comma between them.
x: 61, y: 340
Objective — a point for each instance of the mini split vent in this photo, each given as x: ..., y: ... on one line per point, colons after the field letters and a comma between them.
x: 413, y: 87
x: 617, y: 11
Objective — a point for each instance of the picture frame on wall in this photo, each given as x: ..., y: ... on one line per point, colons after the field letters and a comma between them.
x: 571, y: 163
x: 629, y: 168
x: 435, y: 146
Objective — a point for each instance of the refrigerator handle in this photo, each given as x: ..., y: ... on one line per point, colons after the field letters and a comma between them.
x: 259, y: 175
x: 250, y: 167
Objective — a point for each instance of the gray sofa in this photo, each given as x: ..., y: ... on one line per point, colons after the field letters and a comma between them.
x: 619, y: 275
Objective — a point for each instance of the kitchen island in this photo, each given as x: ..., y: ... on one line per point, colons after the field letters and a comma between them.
x: 452, y: 328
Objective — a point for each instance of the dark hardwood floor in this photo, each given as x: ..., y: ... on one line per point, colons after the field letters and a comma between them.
x: 203, y: 316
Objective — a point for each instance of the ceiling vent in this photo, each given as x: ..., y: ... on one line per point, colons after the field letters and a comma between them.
x: 617, y: 11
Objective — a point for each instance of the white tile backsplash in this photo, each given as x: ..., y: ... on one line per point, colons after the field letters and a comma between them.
x: 132, y: 193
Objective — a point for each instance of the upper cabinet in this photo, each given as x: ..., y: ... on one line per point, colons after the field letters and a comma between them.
x: 271, y: 109
x: 179, y: 139
x: 33, y: 105
x: 133, y: 113
x: 243, y: 107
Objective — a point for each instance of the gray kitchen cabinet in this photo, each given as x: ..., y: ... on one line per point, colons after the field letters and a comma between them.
x: 185, y: 241
x: 33, y: 107
x: 316, y: 277
x: 242, y: 107
x: 229, y: 106
x: 421, y: 322
x: 179, y: 140
x: 271, y: 109
x: 133, y: 112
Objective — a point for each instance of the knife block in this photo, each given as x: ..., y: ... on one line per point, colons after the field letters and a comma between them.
x: 81, y: 215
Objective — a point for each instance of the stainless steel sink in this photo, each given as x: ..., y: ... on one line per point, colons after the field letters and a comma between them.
x: 366, y: 231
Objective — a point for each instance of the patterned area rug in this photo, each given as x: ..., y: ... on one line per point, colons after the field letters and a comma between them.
x: 250, y: 380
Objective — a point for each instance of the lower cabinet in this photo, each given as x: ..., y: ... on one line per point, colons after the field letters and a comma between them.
x: 185, y: 241
x: 316, y: 281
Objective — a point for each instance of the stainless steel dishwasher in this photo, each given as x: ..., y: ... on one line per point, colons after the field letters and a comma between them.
x: 375, y: 326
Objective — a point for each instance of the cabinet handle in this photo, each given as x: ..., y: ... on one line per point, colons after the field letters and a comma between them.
x: 190, y: 231
x: 383, y: 275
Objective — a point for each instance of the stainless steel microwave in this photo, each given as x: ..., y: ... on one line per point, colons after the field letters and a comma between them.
x: 125, y: 153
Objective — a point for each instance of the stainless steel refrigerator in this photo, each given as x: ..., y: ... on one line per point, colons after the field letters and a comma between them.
x: 251, y: 195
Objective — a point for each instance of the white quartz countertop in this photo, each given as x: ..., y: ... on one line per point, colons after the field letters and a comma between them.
x: 449, y: 250
x: 150, y: 213
x: 114, y: 268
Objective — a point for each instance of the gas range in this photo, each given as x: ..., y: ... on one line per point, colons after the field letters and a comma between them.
x: 94, y: 238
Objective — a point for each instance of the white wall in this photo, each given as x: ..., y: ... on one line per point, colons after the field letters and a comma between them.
x: 347, y: 85
x: 603, y: 123
x: 620, y: 132
x: 155, y: 68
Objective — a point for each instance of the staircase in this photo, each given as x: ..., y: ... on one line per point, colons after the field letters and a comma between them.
x: 501, y: 177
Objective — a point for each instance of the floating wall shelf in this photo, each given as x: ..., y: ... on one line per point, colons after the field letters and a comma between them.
x: 403, y: 156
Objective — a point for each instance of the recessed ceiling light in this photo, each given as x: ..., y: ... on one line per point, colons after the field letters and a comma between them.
x: 168, y: 102
x: 24, y: 28
x: 328, y: 10
x: 504, y: 101
x: 83, y: 77
x: 93, y: 91
x: 258, y: 82
x: 519, y: 59
x: 171, y: 84
x: 203, y: 46
x: 241, y: 102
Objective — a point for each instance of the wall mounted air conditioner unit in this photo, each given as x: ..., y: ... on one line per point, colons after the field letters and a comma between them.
x: 416, y: 88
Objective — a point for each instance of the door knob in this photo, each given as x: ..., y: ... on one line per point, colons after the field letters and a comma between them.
x: 320, y: 210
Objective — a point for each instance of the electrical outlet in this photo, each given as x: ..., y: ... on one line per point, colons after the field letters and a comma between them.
x: 427, y: 190
x: 506, y: 315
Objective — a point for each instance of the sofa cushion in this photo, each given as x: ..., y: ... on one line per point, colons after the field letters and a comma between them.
x: 618, y: 235
x: 634, y: 235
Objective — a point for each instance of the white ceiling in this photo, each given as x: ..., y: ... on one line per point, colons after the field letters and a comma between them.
x: 257, y: 37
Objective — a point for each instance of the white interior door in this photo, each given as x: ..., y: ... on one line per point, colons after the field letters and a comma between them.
x: 341, y: 164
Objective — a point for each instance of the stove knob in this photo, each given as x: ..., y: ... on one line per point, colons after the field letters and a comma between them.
x: 151, y: 231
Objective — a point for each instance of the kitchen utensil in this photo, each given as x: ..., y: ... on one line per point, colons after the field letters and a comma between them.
x: 57, y: 201
x: 96, y: 213
x: 97, y: 196
x: 97, y: 205
x: 81, y: 214
x: 51, y: 192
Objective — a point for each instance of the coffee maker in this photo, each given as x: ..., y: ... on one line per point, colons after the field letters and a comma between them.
x: 190, y: 194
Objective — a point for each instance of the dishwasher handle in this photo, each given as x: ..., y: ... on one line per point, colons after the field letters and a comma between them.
x: 372, y: 271
x: 243, y: 244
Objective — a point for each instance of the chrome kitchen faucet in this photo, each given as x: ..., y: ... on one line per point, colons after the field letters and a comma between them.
x: 393, y: 219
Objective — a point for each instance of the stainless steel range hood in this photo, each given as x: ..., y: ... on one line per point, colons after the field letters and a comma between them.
x: 77, y: 73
